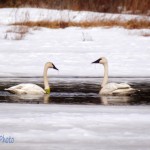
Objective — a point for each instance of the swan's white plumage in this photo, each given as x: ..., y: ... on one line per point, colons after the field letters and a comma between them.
x: 115, y: 88
x: 33, y: 89
x: 26, y: 88
x: 112, y: 88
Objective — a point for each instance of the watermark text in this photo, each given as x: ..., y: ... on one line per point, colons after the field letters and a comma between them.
x: 6, y: 139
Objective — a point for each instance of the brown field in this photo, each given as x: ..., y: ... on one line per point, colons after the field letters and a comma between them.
x: 112, y: 6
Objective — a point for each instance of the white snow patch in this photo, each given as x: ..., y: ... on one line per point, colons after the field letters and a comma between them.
x: 12, y: 15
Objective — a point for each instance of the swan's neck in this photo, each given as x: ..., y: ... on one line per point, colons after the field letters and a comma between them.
x: 46, y: 85
x: 105, y: 79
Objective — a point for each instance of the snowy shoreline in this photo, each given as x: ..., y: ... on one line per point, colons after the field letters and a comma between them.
x: 13, y: 15
x: 72, y: 49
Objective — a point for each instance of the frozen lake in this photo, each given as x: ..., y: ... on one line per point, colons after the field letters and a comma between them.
x: 75, y: 127
x: 74, y: 116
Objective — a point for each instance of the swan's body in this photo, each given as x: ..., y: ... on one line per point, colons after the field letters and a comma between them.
x: 33, y: 89
x: 26, y: 88
x: 112, y: 88
x: 116, y: 89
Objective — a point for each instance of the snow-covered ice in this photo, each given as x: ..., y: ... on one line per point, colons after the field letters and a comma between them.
x: 75, y: 127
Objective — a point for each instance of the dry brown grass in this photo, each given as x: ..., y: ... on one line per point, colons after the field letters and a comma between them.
x: 16, y: 33
x: 18, y: 30
x: 113, y: 6
x: 131, y: 24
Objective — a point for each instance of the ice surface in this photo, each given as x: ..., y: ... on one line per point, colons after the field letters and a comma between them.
x: 72, y: 127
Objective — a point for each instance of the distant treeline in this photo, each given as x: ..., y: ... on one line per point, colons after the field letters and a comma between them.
x: 113, y: 6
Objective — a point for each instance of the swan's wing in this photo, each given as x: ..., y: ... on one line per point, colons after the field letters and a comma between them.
x: 109, y: 88
x: 127, y: 91
x: 19, y: 86
x: 30, y: 86
x: 16, y: 89
x: 26, y: 89
x: 33, y: 89
x: 123, y: 86
x: 114, y: 86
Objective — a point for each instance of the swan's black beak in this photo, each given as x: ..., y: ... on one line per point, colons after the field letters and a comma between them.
x: 97, y: 61
x: 54, y: 67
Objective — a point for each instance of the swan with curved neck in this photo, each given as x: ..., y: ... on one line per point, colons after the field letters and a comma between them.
x: 33, y: 89
x: 112, y: 88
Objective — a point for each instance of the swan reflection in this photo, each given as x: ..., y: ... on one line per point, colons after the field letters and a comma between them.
x: 30, y: 98
x: 107, y: 100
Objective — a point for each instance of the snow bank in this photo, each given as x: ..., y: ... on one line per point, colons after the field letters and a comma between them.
x: 34, y: 14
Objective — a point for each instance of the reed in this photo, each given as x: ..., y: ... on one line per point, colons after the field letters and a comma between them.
x: 130, y: 24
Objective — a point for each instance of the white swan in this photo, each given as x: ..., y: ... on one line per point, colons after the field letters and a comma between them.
x: 33, y: 89
x: 112, y: 88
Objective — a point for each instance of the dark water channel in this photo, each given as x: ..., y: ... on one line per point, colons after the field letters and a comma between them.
x: 77, y: 91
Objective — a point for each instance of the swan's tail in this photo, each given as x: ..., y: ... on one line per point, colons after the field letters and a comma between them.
x: 13, y: 91
x: 16, y: 91
x: 7, y: 89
